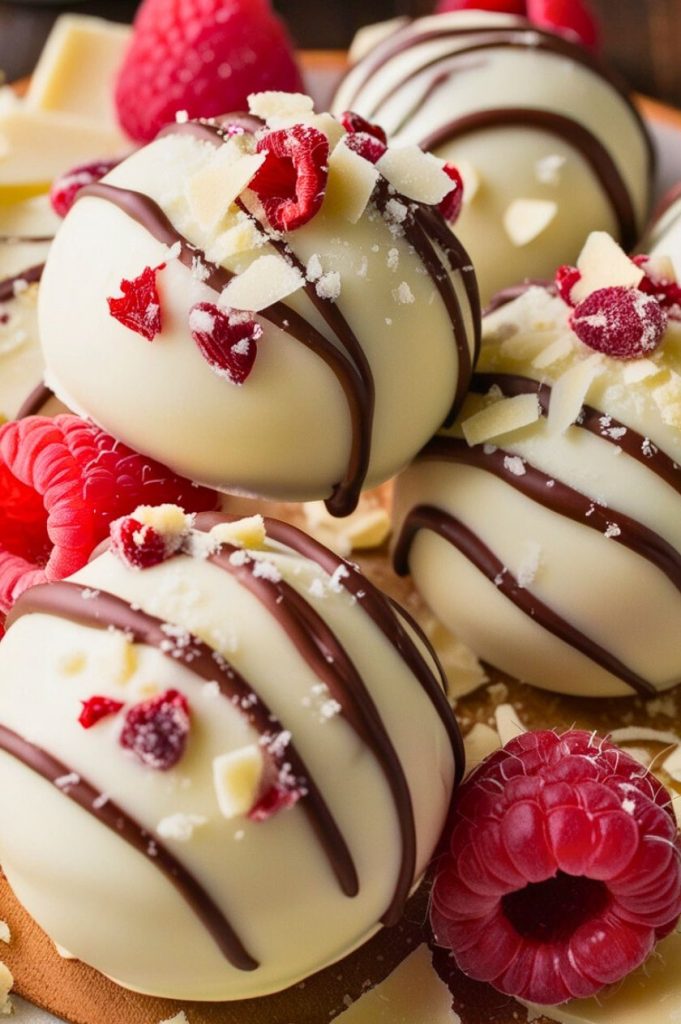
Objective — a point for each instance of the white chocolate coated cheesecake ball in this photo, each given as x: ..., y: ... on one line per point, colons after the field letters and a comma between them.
x: 663, y: 237
x: 548, y: 144
x: 269, y: 785
x: 544, y: 529
x: 292, y: 359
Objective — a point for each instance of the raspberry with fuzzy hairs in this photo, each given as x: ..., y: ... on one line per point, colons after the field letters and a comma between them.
x: 562, y: 869
x: 62, y: 482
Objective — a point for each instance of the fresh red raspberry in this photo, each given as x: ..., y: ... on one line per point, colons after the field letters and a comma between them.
x: 368, y: 146
x: 225, y: 339
x: 450, y: 207
x: 62, y: 482
x: 500, y: 6
x: 137, y: 545
x: 292, y: 181
x: 566, y: 278
x: 202, y: 56
x: 156, y: 731
x: 65, y: 188
x: 563, y: 868
x: 624, y: 323
x: 353, y: 122
x: 96, y: 708
x: 571, y: 18
x: 666, y: 291
x: 139, y: 307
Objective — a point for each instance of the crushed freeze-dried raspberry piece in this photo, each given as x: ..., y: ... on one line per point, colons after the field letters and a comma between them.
x: 62, y: 482
x: 96, y: 708
x: 66, y: 187
x: 156, y: 731
x: 276, y: 798
x: 137, y: 545
x: 225, y: 339
x: 666, y: 291
x: 624, y: 323
x: 571, y: 18
x: 139, y: 307
x: 368, y: 146
x: 292, y: 181
x: 450, y: 207
x: 353, y: 122
x: 563, y: 868
x: 566, y: 278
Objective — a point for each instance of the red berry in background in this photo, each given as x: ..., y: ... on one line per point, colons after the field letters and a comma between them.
x: 451, y: 205
x: 624, y: 323
x: 225, y: 339
x: 62, y: 482
x: 156, y: 731
x: 66, y: 187
x: 500, y: 6
x: 97, y: 708
x: 139, y: 307
x: 571, y: 18
x: 292, y: 181
x: 563, y: 868
x: 202, y: 56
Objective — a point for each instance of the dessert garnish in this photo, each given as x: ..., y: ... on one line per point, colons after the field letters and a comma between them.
x: 156, y: 730
x: 67, y: 186
x: 572, y: 18
x: 451, y: 205
x: 139, y: 307
x: 96, y: 708
x: 563, y: 868
x: 292, y: 181
x: 226, y: 339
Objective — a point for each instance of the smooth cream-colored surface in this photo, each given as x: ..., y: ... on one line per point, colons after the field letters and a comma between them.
x: 285, y: 433
x: 611, y: 594
x: 271, y: 879
x: 512, y: 164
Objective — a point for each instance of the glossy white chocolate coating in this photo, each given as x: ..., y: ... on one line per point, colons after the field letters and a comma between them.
x: 664, y: 235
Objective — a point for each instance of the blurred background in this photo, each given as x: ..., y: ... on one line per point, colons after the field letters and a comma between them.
x: 641, y: 37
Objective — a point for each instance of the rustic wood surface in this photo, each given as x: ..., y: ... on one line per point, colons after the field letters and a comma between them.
x: 642, y: 37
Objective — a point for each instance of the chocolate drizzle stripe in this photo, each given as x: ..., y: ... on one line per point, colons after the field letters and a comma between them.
x: 514, y: 291
x: 632, y: 443
x: 34, y: 401
x: 149, y: 215
x: 405, y: 39
x: 115, y: 818
x: 585, y: 142
x: 29, y: 276
x: 427, y: 517
x: 102, y: 610
x: 558, y: 497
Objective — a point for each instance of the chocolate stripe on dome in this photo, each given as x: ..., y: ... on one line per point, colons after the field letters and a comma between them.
x: 149, y: 215
x: 558, y: 497
x: 580, y: 138
x: 31, y: 275
x: 101, y: 610
x: 595, y: 421
x: 451, y: 529
x: 113, y: 817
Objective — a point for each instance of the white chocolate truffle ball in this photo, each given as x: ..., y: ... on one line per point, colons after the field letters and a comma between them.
x: 548, y: 144
x: 544, y: 529
x: 663, y: 237
x: 364, y: 319
x: 309, y: 761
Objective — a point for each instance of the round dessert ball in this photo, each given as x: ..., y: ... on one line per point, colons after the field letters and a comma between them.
x: 548, y: 143
x: 261, y: 308
x: 241, y: 752
x: 544, y: 529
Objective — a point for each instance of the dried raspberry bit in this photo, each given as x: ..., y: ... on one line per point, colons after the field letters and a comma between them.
x: 666, y: 291
x: 65, y: 189
x: 353, y: 122
x: 562, y: 869
x: 367, y: 146
x: 226, y: 339
x: 96, y: 708
x: 156, y: 730
x: 451, y: 205
x: 566, y: 279
x: 139, y: 308
x: 275, y: 799
x: 292, y: 181
x: 137, y: 545
x: 624, y: 323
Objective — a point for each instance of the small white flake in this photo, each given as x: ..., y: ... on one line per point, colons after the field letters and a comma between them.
x: 393, y: 259
x: 181, y: 117
x: 612, y: 530
x: 403, y: 294
x: 180, y: 827
x: 100, y: 801
x: 329, y: 286
x: 65, y: 782
x: 316, y: 588
x: 262, y: 569
x: 547, y: 170
x: 629, y: 806
x: 515, y: 465
x: 314, y: 268
x: 335, y: 581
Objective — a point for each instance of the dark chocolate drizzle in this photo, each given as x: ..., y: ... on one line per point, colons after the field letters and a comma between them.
x: 514, y: 291
x: 35, y: 400
x: 116, y: 819
x: 31, y: 275
x: 451, y: 529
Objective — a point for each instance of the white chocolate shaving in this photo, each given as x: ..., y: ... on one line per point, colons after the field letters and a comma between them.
x: 352, y: 180
x: 417, y: 175
x: 267, y: 280
x: 479, y: 743
x: 569, y: 393
x: 638, y: 370
x: 367, y: 527
x: 180, y: 827
x: 274, y: 104
x: 553, y: 353
x: 526, y: 219
x: 508, y: 723
x: 501, y: 418
x: 603, y: 264
x: 243, y: 533
x: 168, y: 520
x: 672, y: 764
x: 641, y: 734
x: 213, y: 189
x: 237, y: 777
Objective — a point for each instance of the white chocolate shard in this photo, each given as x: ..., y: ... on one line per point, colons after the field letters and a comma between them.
x: 638, y: 370
x: 237, y: 778
x: 479, y: 743
x: 548, y: 169
x: 241, y: 237
x: 5, y: 935
x: 352, y: 180
x: 507, y: 722
x: 213, y: 189
x: 269, y: 279
x: 603, y: 264
x: 248, y: 532
x: 368, y: 527
x: 6, y: 982
x: 553, y: 353
x: 527, y: 219
x: 501, y: 418
x: 640, y: 734
x: 180, y: 827
x: 279, y: 105
x: 417, y: 175
x: 661, y: 267
x: 569, y: 393
x: 672, y: 764
x: 168, y: 520
x: 179, y: 1018
x: 668, y: 399
x: 412, y: 994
